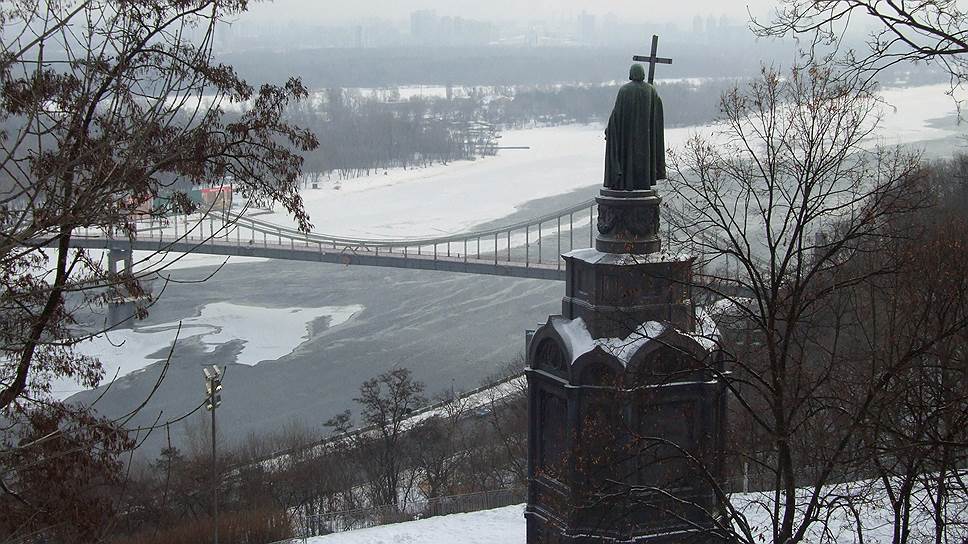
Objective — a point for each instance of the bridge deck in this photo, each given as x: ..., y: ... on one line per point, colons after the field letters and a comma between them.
x: 345, y: 256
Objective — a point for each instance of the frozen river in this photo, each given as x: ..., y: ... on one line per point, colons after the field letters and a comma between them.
x: 299, y: 338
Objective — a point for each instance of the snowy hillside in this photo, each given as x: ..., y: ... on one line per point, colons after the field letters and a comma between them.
x: 507, y: 525
x: 500, y: 526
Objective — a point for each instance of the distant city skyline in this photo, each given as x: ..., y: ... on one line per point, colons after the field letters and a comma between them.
x: 681, y: 12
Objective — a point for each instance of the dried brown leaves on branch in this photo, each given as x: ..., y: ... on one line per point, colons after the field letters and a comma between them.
x: 104, y: 106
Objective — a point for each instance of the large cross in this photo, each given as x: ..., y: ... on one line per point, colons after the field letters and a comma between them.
x: 652, y: 59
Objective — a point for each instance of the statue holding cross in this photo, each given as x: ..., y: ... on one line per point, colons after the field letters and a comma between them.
x: 635, y: 141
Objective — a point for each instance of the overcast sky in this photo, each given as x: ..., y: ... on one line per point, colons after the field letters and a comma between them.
x: 329, y: 11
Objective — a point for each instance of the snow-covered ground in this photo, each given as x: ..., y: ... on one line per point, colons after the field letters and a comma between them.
x: 439, y: 200
x: 499, y: 526
x: 507, y: 525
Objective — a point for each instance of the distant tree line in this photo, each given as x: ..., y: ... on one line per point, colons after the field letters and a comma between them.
x: 478, y: 66
x: 684, y: 104
x: 358, y: 135
x: 362, y: 134
x: 475, y: 66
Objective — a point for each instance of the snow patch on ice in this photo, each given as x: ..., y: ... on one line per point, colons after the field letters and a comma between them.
x: 445, y: 199
x: 267, y: 334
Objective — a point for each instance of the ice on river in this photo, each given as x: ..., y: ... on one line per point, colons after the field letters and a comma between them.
x: 267, y: 334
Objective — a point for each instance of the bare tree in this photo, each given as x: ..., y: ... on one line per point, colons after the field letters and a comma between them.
x: 915, y: 436
x: 506, y: 416
x: 787, y: 195
x: 904, y: 31
x: 385, y: 402
x: 105, y: 106
x: 440, y: 448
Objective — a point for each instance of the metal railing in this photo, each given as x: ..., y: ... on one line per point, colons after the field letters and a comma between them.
x: 536, y: 243
x: 531, y: 248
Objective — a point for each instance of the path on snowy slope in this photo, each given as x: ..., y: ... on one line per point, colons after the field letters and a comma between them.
x: 472, y: 403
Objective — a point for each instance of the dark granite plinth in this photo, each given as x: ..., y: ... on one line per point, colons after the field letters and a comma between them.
x: 628, y: 222
x: 614, y: 293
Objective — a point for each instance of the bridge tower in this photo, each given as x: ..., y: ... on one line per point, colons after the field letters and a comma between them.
x: 122, y: 310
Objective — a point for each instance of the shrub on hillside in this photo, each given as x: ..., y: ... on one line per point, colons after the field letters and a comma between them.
x: 248, y: 527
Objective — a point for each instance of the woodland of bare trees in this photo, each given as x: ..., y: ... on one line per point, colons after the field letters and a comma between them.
x: 840, y: 266
x: 102, y: 108
x: 359, y: 135
x: 278, y: 486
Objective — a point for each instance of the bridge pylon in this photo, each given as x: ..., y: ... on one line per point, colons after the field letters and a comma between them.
x: 121, y: 311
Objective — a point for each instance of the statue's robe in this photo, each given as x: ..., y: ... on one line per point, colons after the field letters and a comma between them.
x: 635, y: 145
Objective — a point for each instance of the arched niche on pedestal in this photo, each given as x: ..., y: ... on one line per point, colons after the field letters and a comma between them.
x: 550, y: 436
x: 597, y: 368
x: 666, y: 382
x: 549, y: 353
x: 601, y: 415
x: 669, y: 358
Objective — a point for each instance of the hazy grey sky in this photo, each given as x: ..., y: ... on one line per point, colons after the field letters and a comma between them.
x: 324, y: 11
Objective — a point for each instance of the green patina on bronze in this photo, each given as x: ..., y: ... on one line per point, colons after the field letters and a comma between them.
x: 635, y: 142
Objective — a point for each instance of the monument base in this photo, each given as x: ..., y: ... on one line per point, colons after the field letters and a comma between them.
x: 628, y: 360
x: 628, y: 222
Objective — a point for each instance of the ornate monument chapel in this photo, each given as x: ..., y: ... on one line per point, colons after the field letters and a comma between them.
x: 626, y: 414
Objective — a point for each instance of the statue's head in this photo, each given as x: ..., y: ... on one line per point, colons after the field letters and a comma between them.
x: 637, y: 73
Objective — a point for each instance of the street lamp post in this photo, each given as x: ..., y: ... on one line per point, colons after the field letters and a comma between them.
x: 213, y: 385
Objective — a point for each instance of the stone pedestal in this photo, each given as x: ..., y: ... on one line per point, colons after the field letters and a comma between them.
x: 121, y: 314
x: 623, y: 393
x: 628, y: 222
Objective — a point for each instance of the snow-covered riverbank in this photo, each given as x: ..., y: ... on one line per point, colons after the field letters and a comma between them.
x: 447, y: 199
